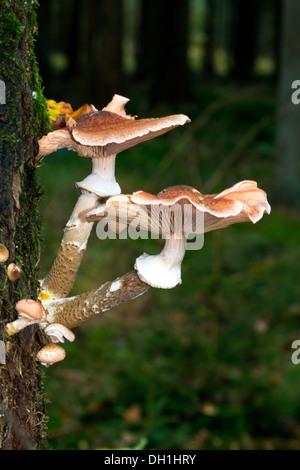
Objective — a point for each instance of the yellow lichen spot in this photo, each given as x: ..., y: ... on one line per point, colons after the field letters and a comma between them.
x: 60, y: 113
x: 44, y: 296
x: 57, y: 109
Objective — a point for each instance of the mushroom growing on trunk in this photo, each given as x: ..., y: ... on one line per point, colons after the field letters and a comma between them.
x: 73, y: 311
x: 50, y: 354
x: 241, y: 203
x: 99, y: 135
x: 166, y: 216
x: 29, y: 312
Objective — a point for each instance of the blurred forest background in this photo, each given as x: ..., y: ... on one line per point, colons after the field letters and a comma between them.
x: 206, y: 365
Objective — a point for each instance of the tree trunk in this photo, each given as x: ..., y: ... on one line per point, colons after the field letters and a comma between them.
x: 277, y: 35
x: 287, y: 178
x: 23, y: 120
x: 104, y: 51
x: 112, y: 51
x: 163, y: 57
x: 244, y: 38
x: 209, y: 29
x: 145, y: 49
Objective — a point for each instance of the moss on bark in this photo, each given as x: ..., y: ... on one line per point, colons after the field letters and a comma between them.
x: 23, y: 120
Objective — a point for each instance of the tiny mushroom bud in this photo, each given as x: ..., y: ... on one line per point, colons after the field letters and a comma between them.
x: 58, y: 333
x: 50, y: 354
x: 175, y: 213
x: 4, y: 253
x: 13, y: 272
x: 29, y: 312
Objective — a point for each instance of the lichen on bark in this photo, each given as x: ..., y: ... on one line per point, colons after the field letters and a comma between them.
x: 23, y: 120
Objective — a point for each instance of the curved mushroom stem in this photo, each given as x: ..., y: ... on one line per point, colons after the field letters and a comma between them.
x: 60, y: 279
x: 17, y: 325
x: 101, y: 181
x: 163, y: 270
x: 73, y: 311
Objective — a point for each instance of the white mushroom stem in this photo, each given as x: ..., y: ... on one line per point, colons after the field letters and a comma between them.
x: 18, y: 325
x: 73, y: 311
x: 163, y: 270
x: 101, y: 181
x: 60, y: 279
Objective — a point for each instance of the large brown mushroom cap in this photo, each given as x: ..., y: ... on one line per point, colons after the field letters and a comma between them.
x: 111, y: 131
x: 166, y: 215
x: 117, y: 133
x: 243, y: 202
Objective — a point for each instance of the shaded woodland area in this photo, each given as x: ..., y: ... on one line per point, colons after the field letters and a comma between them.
x: 161, y: 53
x: 206, y: 365
x: 166, y: 48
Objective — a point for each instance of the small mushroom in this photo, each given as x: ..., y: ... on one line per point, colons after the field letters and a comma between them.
x: 58, y: 333
x: 29, y: 312
x: 50, y: 354
x: 13, y: 272
x: 165, y: 215
x: 4, y: 253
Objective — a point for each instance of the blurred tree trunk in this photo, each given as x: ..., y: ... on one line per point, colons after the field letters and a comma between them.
x: 277, y: 35
x: 22, y: 121
x: 73, y: 38
x: 145, y: 47
x: 245, y: 18
x: 163, y: 55
x: 43, y: 48
x: 105, y: 58
x: 287, y: 178
x: 208, y: 61
x: 112, y: 50
x: 93, y: 33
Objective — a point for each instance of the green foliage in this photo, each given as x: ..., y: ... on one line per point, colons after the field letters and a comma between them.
x: 206, y: 365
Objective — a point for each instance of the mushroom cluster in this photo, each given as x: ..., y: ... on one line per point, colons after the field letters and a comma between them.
x: 99, y: 135
x: 173, y: 214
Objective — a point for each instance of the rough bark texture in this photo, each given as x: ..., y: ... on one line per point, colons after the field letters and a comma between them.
x: 22, y: 121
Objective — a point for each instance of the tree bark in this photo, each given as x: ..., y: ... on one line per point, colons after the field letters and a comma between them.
x: 244, y: 38
x: 104, y: 51
x: 209, y: 29
x: 163, y: 58
x: 23, y: 120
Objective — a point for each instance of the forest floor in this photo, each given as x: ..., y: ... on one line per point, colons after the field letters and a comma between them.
x: 206, y: 365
